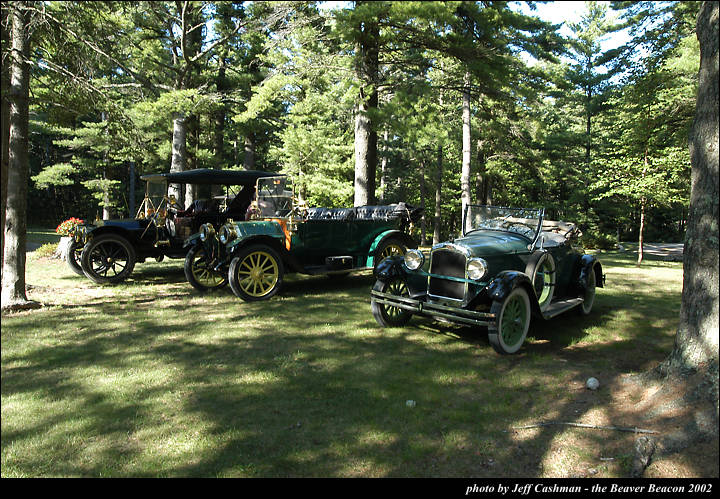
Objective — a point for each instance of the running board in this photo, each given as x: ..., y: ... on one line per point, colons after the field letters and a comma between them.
x: 558, y: 307
x: 324, y: 269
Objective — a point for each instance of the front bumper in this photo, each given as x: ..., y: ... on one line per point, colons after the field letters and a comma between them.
x: 460, y: 315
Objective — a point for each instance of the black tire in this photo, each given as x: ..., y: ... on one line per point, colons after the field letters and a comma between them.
x: 508, y: 331
x: 198, y: 274
x: 108, y: 259
x: 387, y: 315
x: 392, y: 246
x: 256, y: 273
x: 73, y: 256
x: 541, y: 270
x: 588, y: 295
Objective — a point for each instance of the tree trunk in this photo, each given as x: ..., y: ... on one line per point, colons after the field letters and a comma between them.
x: 643, y: 207
x: 219, y: 137
x: 383, y: 166
x: 643, y: 202
x: 367, y: 67
x: 179, y: 154
x: 691, y: 369
x: 249, y: 160
x: 220, y: 116
x: 438, y: 197
x: 696, y: 342
x: 588, y: 121
x: 482, y: 180
x: 466, y: 148
x: 4, y: 26
x: 193, y: 134
x: 107, y: 212
x: 13, y: 275
x: 423, y: 195
x: 131, y: 183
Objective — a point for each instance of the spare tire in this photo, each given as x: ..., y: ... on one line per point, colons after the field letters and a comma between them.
x: 541, y: 270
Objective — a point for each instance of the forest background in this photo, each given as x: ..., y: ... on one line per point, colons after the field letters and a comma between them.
x: 437, y: 104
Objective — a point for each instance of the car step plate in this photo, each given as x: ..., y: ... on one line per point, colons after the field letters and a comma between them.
x: 561, y: 306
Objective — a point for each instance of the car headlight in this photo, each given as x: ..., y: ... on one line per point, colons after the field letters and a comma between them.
x: 414, y: 259
x: 206, y: 232
x: 476, y: 268
x: 227, y: 234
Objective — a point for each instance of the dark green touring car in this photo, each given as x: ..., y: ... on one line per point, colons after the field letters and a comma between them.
x: 281, y: 236
x: 509, y: 265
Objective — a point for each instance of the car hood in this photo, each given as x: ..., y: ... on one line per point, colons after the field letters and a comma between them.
x: 491, y: 242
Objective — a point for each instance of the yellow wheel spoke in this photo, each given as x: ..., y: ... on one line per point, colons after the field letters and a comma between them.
x: 258, y: 273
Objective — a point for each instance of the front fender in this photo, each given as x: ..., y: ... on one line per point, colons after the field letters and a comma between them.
x: 381, y: 238
x: 505, y: 282
x: 500, y: 287
x: 109, y: 229
x: 588, y: 262
x: 390, y: 268
x: 275, y: 242
x: 192, y: 240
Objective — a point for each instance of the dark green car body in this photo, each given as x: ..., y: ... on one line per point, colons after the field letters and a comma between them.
x: 308, y: 241
x: 513, y: 266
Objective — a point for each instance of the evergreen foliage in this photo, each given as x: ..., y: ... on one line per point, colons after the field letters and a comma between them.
x: 596, y: 137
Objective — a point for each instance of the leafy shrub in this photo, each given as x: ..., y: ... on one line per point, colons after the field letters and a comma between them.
x: 46, y: 250
x: 67, y: 228
x: 599, y: 241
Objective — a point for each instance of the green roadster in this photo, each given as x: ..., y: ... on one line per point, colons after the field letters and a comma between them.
x: 280, y: 235
x: 510, y: 265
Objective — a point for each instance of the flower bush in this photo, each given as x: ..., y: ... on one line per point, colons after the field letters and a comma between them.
x: 67, y: 228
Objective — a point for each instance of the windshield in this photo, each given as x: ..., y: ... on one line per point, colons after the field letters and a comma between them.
x: 274, y: 197
x: 154, y: 195
x: 526, y: 222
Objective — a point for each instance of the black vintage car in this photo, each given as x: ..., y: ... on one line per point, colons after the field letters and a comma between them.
x: 510, y: 264
x: 107, y: 250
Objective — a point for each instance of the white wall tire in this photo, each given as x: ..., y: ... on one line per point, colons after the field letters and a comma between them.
x: 508, y: 331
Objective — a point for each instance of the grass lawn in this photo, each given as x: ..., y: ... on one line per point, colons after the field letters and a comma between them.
x: 151, y: 378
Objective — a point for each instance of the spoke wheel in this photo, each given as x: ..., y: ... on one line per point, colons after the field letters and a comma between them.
x: 199, y: 273
x: 391, y: 247
x: 388, y: 315
x: 588, y: 295
x: 256, y: 273
x: 108, y: 259
x: 512, y: 321
x: 73, y: 256
x: 541, y: 270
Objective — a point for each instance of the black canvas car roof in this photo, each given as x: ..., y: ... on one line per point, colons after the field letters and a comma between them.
x: 209, y: 176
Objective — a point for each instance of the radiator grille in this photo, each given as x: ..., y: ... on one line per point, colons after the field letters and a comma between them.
x: 448, y: 263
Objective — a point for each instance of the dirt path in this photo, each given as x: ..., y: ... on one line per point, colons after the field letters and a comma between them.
x: 663, y: 251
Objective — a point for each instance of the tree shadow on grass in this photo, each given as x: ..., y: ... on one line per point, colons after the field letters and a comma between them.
x: 305, y: 384
x: 300, y: 285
